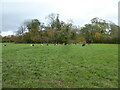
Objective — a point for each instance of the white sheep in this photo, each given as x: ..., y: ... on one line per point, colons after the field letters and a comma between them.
x: 41, y: 44
x: 4, y: 45
x: 32, y: 45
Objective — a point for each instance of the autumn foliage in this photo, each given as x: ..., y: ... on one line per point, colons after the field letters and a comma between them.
x: 34, y: 31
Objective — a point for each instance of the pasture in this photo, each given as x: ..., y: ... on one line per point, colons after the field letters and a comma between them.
x: 70, y: 66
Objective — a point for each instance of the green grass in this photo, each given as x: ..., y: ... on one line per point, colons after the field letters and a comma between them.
x: 71, y: 66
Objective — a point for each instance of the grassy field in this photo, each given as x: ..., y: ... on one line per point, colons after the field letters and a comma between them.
x: 71, y: 66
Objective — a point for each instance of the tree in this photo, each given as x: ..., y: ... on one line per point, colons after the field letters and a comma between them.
x: 88, y: 32
x: 34, y: 27
x: 101, y: 24
x: 54, y: 21
x: 5, y: 39
x: 0, y: 38
x: 51, y: 18
x: 114, y: 32
x: 60, y: 32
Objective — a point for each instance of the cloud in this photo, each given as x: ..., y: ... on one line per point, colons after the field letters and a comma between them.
x: 14, y: 13
x: 80, y: 11
x: 7, y: 33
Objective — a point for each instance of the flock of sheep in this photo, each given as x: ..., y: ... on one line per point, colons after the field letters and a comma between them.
x: 48, y: 44
x: 54, y: 44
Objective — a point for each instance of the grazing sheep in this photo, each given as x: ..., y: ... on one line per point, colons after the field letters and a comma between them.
x: 65, y: 43
x: 55, y: 44
x: 47, y: 44
x: 32, y: 45
x: 41, y: 44
x: 4, y: 45
x: 83, y: 44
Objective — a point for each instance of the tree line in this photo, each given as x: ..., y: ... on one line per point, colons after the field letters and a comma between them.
x: 34, y: 31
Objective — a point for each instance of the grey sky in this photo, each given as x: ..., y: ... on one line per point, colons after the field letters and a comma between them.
x: 14, y: 12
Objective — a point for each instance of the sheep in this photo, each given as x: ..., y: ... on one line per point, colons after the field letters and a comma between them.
x: 65, y: 43
x: 83, y: 44
x: 32, y: 45
x: 41, y: 44
x: 4, y: 45
x: 55, y: 44
x: 47, y: 44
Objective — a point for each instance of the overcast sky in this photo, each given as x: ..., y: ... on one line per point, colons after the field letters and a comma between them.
x: 14, y: 12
